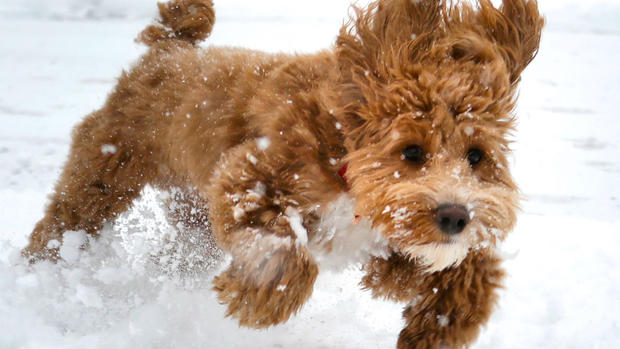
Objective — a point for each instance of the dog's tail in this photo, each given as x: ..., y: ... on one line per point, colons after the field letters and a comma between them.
x: 187, y: 20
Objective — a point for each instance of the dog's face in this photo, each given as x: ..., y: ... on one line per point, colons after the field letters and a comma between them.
x: 428, y: 128
x: 434, y: 177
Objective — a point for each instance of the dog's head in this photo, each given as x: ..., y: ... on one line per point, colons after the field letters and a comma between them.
x: 427, y: 94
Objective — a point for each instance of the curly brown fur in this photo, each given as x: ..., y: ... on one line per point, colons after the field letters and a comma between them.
x: 188, y: 20
x: 445, y: 308
x: 264, y: 289
x: 410, y: 91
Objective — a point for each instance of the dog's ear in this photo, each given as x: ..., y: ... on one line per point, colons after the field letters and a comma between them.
x: 384, y: 25
x: 516, y: 29
x: 370, y: 45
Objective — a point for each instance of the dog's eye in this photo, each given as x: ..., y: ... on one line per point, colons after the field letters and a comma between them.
x: 474, y: 156
x: 414, y: 154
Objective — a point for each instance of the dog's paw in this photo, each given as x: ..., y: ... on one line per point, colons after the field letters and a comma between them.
x: 33, y: 256
x: 266, y: 290
x: 39, y: 249
x: 393, y: 278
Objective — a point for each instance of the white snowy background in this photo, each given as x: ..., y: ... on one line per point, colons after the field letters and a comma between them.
x: 58, y: 61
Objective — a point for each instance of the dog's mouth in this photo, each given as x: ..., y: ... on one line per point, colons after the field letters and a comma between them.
x: 437, y: 256
x: 448, y: 241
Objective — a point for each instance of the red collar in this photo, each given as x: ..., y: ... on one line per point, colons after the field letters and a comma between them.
x: 342, y: 173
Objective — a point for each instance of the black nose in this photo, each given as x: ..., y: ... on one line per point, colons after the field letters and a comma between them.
x: 451, y: 218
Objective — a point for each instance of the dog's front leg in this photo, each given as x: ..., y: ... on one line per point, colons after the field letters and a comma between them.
x: 447, y: 308
x: 259, y: 202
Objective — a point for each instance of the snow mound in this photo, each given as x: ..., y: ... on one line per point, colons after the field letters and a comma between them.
x: 142, y: 284
x: 119, y: 283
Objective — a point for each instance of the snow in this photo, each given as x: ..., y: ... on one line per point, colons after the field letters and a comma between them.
x: 263, y: 143
x: 342, y: 238
x: 72, y: 242
x: 251, y: 158
x: 443, y: 320
x: 469, y: 131
x: 145, y: 287
x: 108, y: 149
x: 296, y: 223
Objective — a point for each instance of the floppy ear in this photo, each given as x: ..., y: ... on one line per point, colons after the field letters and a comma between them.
x: 516, y: 29
x: 385, y: 25
x: 369, y: 49
x: 368, y: 44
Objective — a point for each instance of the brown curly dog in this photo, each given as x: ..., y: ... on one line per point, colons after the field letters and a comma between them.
x: 389, y: 150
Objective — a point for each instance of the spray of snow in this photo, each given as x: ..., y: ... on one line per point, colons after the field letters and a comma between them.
x: 341, y: 241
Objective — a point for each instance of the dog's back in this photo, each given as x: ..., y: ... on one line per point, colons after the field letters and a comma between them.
x: 170, y: 118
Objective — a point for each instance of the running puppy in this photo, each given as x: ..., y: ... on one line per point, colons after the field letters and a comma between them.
x: 389, y: 149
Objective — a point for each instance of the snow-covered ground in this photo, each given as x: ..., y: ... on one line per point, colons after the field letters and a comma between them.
x: 59, y: 59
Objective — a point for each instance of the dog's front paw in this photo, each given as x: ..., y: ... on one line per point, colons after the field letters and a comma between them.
x: 262, y: 290
x: 41, y: 247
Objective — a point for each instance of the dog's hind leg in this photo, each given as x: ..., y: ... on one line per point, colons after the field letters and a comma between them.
x: 112, y: 156
x: 104, y: 172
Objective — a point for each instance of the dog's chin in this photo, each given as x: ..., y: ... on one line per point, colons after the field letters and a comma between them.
x: 437, y: 256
